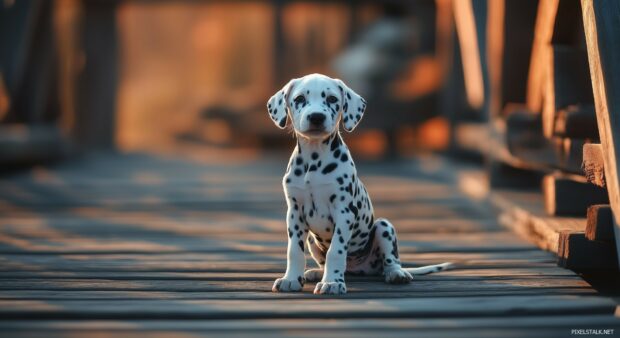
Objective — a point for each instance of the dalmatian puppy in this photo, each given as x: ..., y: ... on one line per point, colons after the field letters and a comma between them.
x: 328, y: 206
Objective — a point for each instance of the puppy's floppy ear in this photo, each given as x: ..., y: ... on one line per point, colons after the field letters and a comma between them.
x: 353, y: 106
x: 277, y: 105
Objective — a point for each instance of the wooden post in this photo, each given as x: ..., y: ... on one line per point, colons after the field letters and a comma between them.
x: 545, y: 21
x: 601, y: 21
x: 97, y: 83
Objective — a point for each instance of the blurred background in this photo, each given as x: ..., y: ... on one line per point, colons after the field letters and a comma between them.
x: 192, y: 77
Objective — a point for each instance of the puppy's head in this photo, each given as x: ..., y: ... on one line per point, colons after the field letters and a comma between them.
x: 315, y: 104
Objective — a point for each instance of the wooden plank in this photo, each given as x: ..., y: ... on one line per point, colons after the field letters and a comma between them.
x: 600, y: 226
x: 594, y: 164
x: 459, y: 273
x: 320, y: 307
x: 220, y: 289
x: 367, y: 293
x: 485, y: 242
x: 133, y: 224
x: 576, y: 252
x: 319, y: 325
x: 247, y: 261
x: 470, y: 31
x: 523, y: 212
x: 543, y: 32
x: 601, y: 21
x: 570, y: 195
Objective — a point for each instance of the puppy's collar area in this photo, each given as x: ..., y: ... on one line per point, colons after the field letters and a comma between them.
x: 306, y: 146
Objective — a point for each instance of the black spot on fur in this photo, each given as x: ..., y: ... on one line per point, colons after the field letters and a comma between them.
x: 329, y: 168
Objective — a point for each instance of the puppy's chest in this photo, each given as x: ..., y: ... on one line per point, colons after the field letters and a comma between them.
x: 314, y: 205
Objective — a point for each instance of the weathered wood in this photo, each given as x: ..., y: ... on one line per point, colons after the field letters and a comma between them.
x: 247, y: 261
x: 312, y: 308
x: 601, y: 20
x: 457, y: 286
x: 570, y: 195
x: 204, y: 260
x: 600, y: 226
x: 543, y: 32
x: 567, y: 83
x: 525, y: 141
x: 594, y: 164
x: 424, y: 243
x: 471, y: 18
x: 576, y: 252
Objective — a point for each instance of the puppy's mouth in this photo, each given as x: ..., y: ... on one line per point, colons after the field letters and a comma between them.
x: 315, y: 132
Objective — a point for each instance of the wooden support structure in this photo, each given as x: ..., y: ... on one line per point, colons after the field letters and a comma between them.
x: 601, y: 20
x: 545, y: 21
x: 600, y: 226
x: 594, y: 164
x: 570, y: 194
x: 576, y: 252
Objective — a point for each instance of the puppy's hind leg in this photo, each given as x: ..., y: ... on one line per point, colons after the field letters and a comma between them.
x: 385, y: 239
x: 315, y: 275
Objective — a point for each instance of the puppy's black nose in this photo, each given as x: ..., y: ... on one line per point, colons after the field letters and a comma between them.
x: 316, y: 119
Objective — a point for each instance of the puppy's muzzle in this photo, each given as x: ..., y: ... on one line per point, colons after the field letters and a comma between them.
x: 316, y: 121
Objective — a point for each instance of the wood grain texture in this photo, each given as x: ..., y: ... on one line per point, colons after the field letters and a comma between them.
x: 173, y: 259
x: 601, y: 20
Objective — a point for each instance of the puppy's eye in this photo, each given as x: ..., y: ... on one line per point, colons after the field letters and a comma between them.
x: 300, y: 99
x: 332, y: 99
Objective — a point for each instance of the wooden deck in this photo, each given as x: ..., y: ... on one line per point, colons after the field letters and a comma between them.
x: 130, y: 245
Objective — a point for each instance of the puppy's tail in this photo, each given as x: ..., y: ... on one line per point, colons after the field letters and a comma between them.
x: 424, y: 270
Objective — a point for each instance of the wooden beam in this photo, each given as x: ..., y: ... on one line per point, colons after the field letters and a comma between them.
x: 593, y: 164
x: 576, y: 252
x: 545, y: 21
x: 472, y: 58
x: 570, y: 195
x: 601, y: 21
x: 600, y: 226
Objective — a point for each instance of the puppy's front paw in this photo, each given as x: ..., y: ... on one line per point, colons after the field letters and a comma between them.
x: 397, y: 276
x: 288, y: 285
x: 330, y: 288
